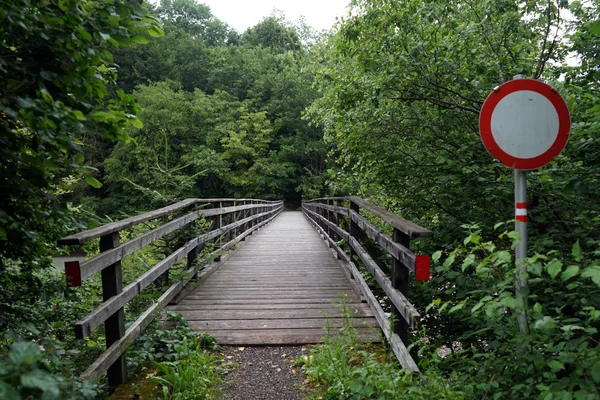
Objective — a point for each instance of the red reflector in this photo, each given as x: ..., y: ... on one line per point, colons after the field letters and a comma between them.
x: 422, y: 268
x: 73, y: 273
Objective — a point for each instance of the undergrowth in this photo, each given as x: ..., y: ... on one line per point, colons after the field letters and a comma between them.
x: 179, y: 360
x: 343, y: 367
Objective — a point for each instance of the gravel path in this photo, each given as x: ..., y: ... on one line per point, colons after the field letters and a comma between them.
x: 263, y: 373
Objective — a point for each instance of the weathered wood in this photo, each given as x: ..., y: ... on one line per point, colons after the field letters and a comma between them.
x: 85, y: 326
x: 407, y: 227
x: 399, y: 282
x: 336, y: 209
x: 115, y: 351
x: 115, y: 302
x: 397, y: 250
x: 86, y: 236
x: 406, y: 309
x: 258, y: 284
x: 114, y: 328
x: 334, y: 228
x: 395, y: 342
x: 191, y: 305
x: 339, y: 251
x: 355, y: 231
x: 246, y: 315
x: 268, y: 324
x: 96, y: 264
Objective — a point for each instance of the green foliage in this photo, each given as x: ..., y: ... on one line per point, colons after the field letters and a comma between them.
x: 55, y: 69
x: 30, y: 372
x: 558, y: 357
x: 345, y: 368
x: 183, y: 358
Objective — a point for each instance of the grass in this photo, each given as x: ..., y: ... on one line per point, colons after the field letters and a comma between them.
x: 345, y: 368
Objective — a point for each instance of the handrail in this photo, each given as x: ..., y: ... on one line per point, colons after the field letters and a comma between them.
x: 407, y: 227
x: 244, y: 217
x: 86, y: 236
x: 330, y: 220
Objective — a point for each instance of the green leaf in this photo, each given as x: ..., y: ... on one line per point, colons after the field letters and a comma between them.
x: 449, y: 261
x: 595, y: 27
x: 93, y: 182
x: 24, y: 353
x: 436, y: 256
x: 457, y: 307
x: 140, y: 39
x: 468, y: 261
x: 554, y: 267
x: 596, y: 372
x: 577, y: 252
x: 570, y: 272
x: 545, y: 323
x: 556, y: 365
x: 79, y: 115
x: 25, y: 102
x: 7, y: 392
x: 592, y: 272
x: 42, y: 380
x: 537, y: 308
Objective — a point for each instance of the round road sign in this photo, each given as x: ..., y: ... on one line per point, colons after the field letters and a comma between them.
x: 524, y: 123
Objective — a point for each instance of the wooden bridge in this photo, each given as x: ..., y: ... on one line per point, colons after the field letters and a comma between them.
x: 284, y: 285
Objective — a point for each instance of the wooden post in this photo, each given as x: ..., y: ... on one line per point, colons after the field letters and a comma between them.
x: 114, y: 327
x: 191, y: 258
x: 400, y: 281
x: 354, y: 228
x: 217, y: 223
x: 332, y: 217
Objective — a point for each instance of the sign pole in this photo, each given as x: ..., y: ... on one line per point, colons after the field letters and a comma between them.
x: 525, y: 124
x: 521, y: 249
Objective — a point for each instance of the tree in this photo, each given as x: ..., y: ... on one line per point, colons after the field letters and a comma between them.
x: 55, y: 71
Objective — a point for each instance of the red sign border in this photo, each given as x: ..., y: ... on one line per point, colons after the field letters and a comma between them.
x: 485, y: 123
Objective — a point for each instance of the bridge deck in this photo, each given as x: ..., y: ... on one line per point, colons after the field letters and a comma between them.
x: 283, y: 286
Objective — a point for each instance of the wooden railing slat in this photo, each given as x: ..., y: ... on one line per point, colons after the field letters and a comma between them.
x: 84, y: 327
x: 408, y: 311
x: 86, y: 236
x: 324, y: 216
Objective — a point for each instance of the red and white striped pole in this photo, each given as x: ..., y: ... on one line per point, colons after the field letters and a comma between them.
x: 521, y: 212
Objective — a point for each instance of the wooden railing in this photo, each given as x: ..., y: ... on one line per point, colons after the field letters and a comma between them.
x: 232, y: 219
x: 330, y: 216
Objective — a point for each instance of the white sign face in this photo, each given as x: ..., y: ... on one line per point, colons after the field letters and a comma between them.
x: 525, y: 124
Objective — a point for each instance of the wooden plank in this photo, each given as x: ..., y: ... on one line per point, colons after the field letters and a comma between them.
x: 86, y: 236
x: 397, y: 250
x: 409, y: 228
x: 408, y: 311
x: 114, y: 328
x: 399, y: 280
x: 106, y: 359
x: 393, y: 339
x: 225, y: 301
x: 341, y: 254
x: 191, y: 305
x: 85, y: 326
x: 96, y: 264
x: 267, y: 324
x: 263, y: 314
